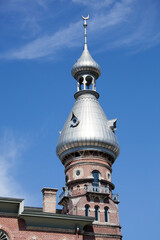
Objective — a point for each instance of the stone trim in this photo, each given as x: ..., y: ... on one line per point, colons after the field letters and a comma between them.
x: 87, y: 163
x: 89, y: 180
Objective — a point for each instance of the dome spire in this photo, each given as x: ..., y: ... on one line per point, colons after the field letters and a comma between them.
x: 86, y: 70
x: 85, y: 30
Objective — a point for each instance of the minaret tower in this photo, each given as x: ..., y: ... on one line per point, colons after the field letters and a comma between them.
x: 88, y: 147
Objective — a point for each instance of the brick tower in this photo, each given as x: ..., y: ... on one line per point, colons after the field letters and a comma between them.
x: 88, y: 147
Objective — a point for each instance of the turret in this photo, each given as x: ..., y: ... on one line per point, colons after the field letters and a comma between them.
x: 88, y: 147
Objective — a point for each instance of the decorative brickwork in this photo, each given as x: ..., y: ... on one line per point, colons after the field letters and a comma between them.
x: 82, y: 191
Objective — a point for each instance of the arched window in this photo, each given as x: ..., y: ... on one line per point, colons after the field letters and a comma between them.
x: 81, y: 83
x: 89, y: 82
x: 87, y: 210
x: 106, y: 217
x: 95, y: 178
x: 3, y: 235
x: 96, y: 213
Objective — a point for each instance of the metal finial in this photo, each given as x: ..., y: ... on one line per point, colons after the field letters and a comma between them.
x: 85, y: 30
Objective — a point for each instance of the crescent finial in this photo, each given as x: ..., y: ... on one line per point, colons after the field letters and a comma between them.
x: 85, y: 18
x: 85, y: 30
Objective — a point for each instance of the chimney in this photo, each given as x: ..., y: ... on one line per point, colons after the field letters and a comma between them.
x: 49, y: 199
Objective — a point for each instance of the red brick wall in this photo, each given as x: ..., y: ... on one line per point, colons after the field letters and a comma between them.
x: 16, y: 231
x: 79, y: 197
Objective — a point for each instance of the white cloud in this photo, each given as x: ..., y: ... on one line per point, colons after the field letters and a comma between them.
x: 10, y: 153
x: 143, y: 34
x: 124, y: 23
x: 25, y: 16
x: 21, y: 5
x: 118, y: 14
x: 69, y: 37
x: 47, y: 45
x: 94, y: 3
x: 42, y: 3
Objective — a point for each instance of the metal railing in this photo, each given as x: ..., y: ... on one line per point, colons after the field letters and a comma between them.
x: 97, y: 189
x: 92, y: 189
x: 65, y: 193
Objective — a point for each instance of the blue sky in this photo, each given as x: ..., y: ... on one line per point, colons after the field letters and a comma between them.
x: 40, y: 41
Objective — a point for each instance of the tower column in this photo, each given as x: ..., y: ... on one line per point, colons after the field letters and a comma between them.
x: 88, y: 147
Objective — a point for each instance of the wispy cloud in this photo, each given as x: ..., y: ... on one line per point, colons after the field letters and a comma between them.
x: 47, y: 45
x: 23, y: 16
x: 68, y: 37
x: 21, y: 5
x: 112, y: 17
x: 94, y: 3
x: 124, y: 23
x: 11, y: 151
x: 144, y: 31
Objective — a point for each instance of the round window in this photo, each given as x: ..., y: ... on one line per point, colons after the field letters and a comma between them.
x: 74, y: 120
x: 78, y: 172
x: 3, y: 235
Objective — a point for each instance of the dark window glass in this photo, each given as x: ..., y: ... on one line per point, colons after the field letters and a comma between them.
x: 78, y: 172
x: 96, y: 178
x: 96, y: 213
x: 87, y: 210
x: 106, y: 214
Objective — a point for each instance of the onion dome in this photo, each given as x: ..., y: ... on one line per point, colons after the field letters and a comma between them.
x: 87, y: 128
x: 86, y: 64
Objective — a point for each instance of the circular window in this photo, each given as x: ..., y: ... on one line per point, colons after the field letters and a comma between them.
x: 3, y: 235
x: 74, y: 120
x: 78, y: 172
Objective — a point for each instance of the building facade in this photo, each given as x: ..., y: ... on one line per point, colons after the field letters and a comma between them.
x: 87, y: 147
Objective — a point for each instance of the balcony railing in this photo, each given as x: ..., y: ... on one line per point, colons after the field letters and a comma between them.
x: 91, y: 189
x: 95, y: 189
x: 115, y: 198
x: 65, y: 193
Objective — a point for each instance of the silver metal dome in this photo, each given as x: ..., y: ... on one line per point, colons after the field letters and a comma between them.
x: 87, y: 128
x: 86, y: 63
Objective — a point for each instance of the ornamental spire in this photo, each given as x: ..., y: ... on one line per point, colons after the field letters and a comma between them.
x: 86, y: 70
x: 85, y: 30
